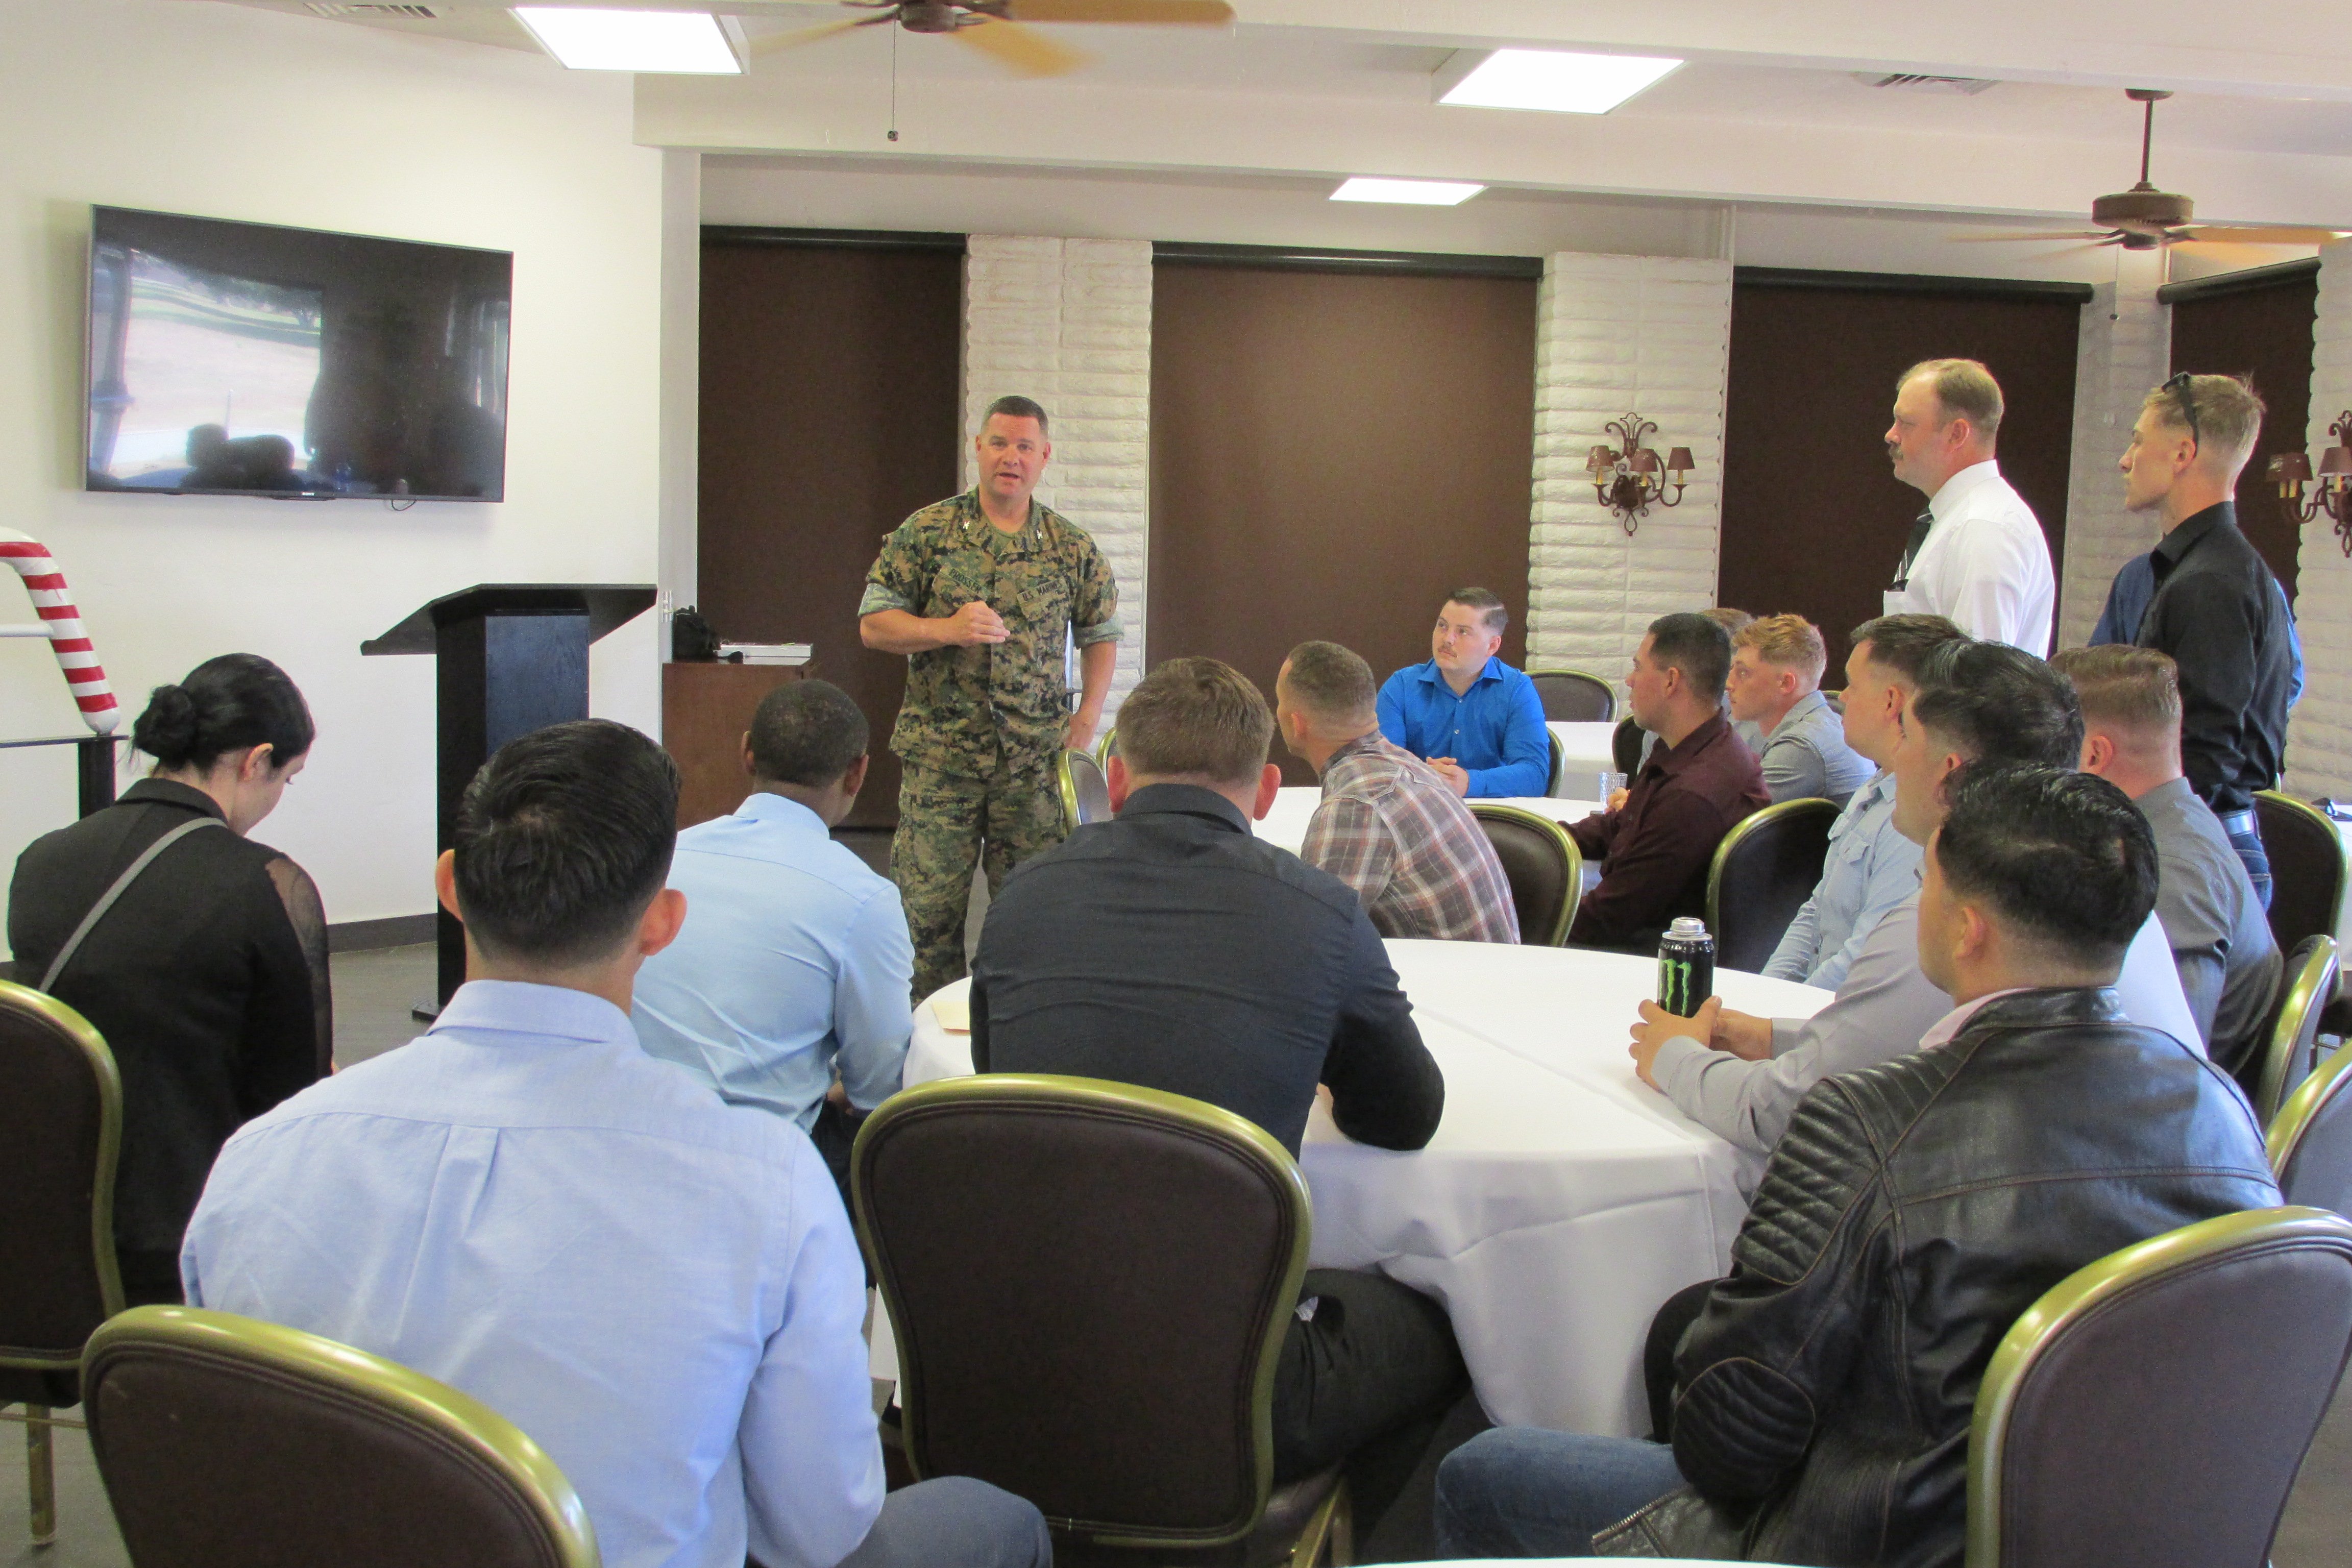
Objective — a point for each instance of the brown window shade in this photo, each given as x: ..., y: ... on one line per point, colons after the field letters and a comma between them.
x: 1813, y: 518
x: 2266, y: 330
x: 830, y: 389
x: 1330, y: 453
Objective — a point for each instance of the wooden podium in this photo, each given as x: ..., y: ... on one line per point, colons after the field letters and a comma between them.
x: 513, y: 657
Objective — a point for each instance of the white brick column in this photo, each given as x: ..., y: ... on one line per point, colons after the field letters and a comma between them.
x: 2319, y: 733
x: 1068, y: 322
x: 1616, y: 334
x: 2123, y: 347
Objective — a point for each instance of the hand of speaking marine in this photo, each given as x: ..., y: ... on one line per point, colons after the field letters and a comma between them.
x: 973, y: 624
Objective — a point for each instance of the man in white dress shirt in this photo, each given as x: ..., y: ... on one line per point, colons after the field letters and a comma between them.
x: 1976, y: 556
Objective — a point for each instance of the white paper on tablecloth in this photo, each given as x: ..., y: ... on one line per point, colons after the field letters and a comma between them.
x: 1561, y: 1200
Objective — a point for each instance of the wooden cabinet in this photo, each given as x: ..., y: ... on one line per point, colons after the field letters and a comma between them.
x: 706, y: 708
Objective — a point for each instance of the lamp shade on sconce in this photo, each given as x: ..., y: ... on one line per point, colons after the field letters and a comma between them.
x: 1678, y: 461
x: 2290, y: 471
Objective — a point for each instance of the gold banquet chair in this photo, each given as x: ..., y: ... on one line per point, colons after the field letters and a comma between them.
x: 1085, y: 792
x: 1574, y: 696
x: 2153, y: 1407
x: 1764, y: 870
x: 2307, y: 868
x: 1090, y: 1283
x: 2288, y: 1051
x: 61, y: 1124
x: 223, y: 1439
x: 2310, y: 1139
x: 1543, y: 864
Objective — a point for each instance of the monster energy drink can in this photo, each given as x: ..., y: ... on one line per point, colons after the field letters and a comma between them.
x: 1685, y: 967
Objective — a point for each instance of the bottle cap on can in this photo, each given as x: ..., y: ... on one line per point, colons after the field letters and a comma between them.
x: 1687, y: 925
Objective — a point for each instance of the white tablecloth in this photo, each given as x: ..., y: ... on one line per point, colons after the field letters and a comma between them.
x: 1586, y: 751
x: 1561, y: 1200
x: 1293, y: 807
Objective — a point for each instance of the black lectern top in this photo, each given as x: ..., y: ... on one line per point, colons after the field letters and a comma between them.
x: 608, y: 605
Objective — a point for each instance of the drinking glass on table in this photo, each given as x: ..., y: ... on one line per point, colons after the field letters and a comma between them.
x: 1612, y: 791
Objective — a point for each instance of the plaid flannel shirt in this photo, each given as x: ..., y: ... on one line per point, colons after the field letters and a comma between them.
x: 1420, y: 863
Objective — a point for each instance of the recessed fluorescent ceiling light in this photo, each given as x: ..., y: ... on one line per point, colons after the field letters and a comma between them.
x: 1566, y: 83
x: 689, y: 43
x: 1415, y: 192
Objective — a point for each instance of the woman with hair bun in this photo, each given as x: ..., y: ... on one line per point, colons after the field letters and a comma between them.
x: 207, y: 973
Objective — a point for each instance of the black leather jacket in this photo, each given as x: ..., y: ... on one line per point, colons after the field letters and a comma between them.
x: 1911, y: 1212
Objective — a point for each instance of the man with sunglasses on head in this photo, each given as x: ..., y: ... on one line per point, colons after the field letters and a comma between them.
x: 2218, y: 612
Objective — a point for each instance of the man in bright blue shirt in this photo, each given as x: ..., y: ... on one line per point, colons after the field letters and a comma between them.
x: 1465, y: 712
x: 661, y: 1289
x: 795, y: 960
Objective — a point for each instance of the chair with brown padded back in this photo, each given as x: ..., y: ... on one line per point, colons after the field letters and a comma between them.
x: 1765, y: 869
x: 61, y: 1126
x: 2307, y: 868
x: 1086, y: 793
x: 1625, y: 748
x: 224, y: 1439
x: 2153, y: 1407
x: 2310, y: 1138
x: 1089, y: 1284
x: 2289, y: 1047
x: 1573, y: 697
x: 1543, y: 866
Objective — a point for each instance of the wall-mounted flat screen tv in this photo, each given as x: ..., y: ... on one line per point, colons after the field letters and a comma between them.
x: 245, y: 359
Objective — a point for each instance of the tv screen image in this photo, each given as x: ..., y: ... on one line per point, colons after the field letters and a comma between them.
x: 248, y: 359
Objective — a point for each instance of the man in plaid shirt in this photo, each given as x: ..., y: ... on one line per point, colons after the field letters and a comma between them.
x: 1388, y: 827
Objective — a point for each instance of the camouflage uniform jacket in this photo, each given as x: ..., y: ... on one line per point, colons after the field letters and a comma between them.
x: 968, y: 708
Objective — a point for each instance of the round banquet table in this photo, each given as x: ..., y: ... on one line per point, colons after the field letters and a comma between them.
x: 1294, y: 805
x: 1561, y: 1200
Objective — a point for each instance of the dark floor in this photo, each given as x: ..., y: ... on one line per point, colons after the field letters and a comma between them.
x: 373, y: 992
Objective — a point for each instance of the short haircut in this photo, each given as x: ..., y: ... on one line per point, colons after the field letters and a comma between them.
x: 2138, y: 688
x: 1492, y: 611
x: 1902, y: 643
x: 1999, y: 705
x: 1965, y: 389
x: 2062, y: 861
x: 2223, y: 412
x: 1332, y: 682
x: 1015, y: 407
x: 806, y: 732
x: 1730, y: 619
x: 1695, y: 644
x: 563, y: 837
x: 1195, y: 718
x: 231, y: 703
x: 1790, y: 642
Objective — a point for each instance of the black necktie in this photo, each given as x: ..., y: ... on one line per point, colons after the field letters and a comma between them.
x: 1926, y: 520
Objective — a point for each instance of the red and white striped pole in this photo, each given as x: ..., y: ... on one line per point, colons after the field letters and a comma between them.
x: 61, y: 624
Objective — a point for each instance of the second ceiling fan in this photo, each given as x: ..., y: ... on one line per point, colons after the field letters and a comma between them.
x: 995, y: 27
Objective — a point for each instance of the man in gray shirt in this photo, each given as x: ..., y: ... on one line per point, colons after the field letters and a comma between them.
x: 1871, y: 868
x: 2221, y: 942
x: 1742, y: 1076
x: 1775, y: 687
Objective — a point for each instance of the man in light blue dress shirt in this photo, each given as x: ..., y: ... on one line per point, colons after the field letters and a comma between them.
x: 661, y: 1289
x: 795, y: 961
x: 1870, y: 867
x: 1465, y: 712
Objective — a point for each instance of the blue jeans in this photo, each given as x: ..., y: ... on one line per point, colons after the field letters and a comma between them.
x: 1521, y: 1491
x: 954, y: 1521
x: 2257, y: 860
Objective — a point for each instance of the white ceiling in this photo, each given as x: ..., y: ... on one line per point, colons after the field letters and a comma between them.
x: 1767, y: 111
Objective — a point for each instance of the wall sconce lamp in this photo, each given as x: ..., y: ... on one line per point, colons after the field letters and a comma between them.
x: 2290, y: 471
x: 1627, y: 478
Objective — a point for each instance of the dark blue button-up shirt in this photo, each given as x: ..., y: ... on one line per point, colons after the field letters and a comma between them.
x: 1494, y: 730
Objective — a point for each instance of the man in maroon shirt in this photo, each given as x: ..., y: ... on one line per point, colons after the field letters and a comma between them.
x: 1656, y: 849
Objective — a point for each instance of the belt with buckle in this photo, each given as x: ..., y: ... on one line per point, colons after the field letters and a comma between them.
x: 2239, y: 822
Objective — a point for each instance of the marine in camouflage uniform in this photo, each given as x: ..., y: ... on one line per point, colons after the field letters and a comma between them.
x: 981, y: 726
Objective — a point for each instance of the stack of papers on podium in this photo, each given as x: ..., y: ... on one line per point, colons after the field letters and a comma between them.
x: 766, y: 652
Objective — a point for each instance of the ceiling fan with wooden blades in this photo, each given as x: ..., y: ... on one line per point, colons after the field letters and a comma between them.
x: 996, y: 27
x: 2144, y: 219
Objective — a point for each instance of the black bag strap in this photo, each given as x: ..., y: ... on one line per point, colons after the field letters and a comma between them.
x: 131, y: 874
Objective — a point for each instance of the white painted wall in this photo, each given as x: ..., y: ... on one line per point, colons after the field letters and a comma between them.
x: 2320, y: 734
x: 1619, y: 334
x: 2123, y: 347
x: 232, y: 112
